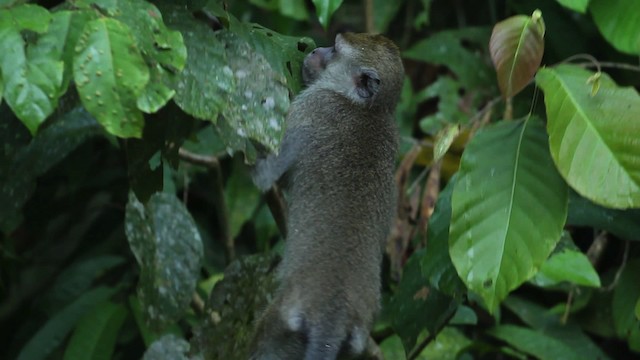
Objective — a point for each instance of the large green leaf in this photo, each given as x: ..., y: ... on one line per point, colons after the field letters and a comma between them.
x: 549, y: 324
x: 110, y: 74
x: 567, y: 265
x: 207, y: 76
x: 618, y: 22
x: 517, y: 46
x: 56, y: 329
x: 325, y: 9
x: 32, y: 82
x: 508, y: 208
x: 95, y: 336
x: 594, y: 138
x: 60, y: 40
x: 26, y: 17
x: 163, y: 48
x: 167, y: 245
x: 532, y: 342
x: 577, y: 5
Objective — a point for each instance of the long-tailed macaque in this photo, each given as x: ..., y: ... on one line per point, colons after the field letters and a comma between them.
x: 337, y: 157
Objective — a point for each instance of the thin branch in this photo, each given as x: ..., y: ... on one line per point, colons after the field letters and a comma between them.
x: 625, y: 257
x: 275, y: 201
x: 368, y: 14
x: 611, y: 65
x: 222, y: 216
x: 423, y: 344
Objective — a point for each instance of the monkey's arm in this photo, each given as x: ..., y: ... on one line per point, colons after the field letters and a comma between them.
x: 270, y: 169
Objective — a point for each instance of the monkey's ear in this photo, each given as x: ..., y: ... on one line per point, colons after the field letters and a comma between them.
x: 367, y: 83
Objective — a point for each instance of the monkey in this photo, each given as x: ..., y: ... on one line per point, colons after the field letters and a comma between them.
x: 337, y: 160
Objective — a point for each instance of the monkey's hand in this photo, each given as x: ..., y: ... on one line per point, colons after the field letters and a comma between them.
x: 264, y: 174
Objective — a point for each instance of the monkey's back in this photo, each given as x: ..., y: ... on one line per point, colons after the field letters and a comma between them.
x: 341, y: 209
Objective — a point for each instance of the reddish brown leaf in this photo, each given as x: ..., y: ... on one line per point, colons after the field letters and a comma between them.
x: 516, y: 46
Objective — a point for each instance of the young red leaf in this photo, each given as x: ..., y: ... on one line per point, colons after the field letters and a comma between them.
x: 516, y: 46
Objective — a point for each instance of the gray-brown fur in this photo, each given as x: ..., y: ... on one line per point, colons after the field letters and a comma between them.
x: 338, y: 155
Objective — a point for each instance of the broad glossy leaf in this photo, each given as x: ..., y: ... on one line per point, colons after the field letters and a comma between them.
x: 625, y: 297
x: 26, y: 17
x: 508, y: 208
x: 164, y: 47
x: 60, y: 40
x: 550, y: 324
x: 618, y: 23
x: 96, y: 334
x: 56, y: 329
x: 532, y: 342
x: 166, y: 243
x: 594, y: 140
x: 325, y: 9
x: 32, y: 84
x: 32, y: 92
x: 577, y: 5
x: 517, y: 46
x: 110, y: 74
x: 225, y: 75
x: 568, y: 265
x: 261, y: 99
x: 207, y: 75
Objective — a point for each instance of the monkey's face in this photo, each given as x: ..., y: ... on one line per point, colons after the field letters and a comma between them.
x: 315, y: 63
x: 361, y: 66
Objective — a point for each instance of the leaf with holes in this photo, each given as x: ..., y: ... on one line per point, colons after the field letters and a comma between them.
x: 32, y: 82
x: 594, y: 140
x: 516, y: 46
x: 509, y: 205
x: 110, y: 74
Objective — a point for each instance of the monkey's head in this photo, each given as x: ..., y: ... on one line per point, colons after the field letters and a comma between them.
x: 363, y: 67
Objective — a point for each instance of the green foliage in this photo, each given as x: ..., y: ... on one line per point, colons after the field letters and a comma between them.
x: 496, y: 245
x: 592, y: 137
x: 96, y: 333
x: 516, y: 46
x: 168, y: 248
x: 131, y: 229
x: 618, y: 23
